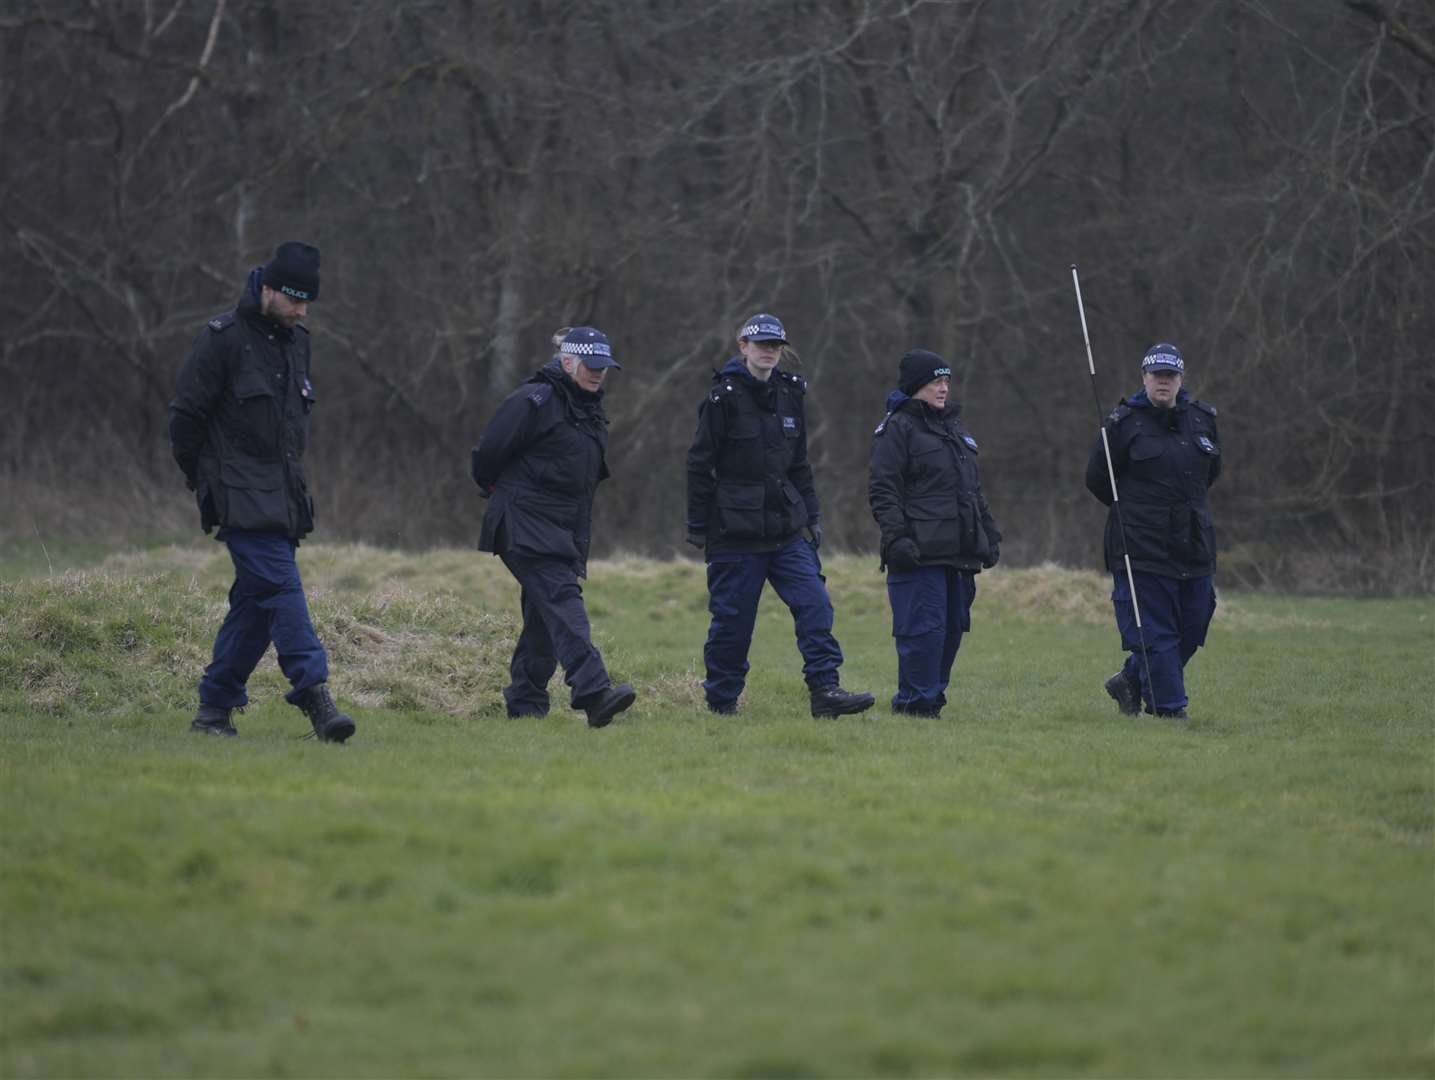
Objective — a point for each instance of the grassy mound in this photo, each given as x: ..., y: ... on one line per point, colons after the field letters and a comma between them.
x: 425, y: 634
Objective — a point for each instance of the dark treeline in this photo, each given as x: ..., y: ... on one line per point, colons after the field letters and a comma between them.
x: 1251, y: 179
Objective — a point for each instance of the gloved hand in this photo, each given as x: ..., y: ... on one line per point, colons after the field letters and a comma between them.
x: 814, y: 535
x: 903, y: 554
x: 992, y: 559
x: 697, y: 539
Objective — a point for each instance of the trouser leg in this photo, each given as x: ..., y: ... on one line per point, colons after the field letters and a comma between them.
x: 556, y: 595
x: 919, y: 628
x: 1198, y: 607
x: 533, y: 663
x: 734, y: 589
x: 796, y: 576
x: 242, y: 639
x: 297, y: 647
x: 266, y: 603
x: 961, y: 590
x: 1159, y: 601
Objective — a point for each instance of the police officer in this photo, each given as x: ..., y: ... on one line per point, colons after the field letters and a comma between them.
x: 750, y: 502
x: 238, y: 425
x: 539, y: 462
x: 1166, y: 453
x: 937, y: 530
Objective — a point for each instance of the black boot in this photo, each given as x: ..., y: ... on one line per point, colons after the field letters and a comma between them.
x: 212, y: 720
x: 835, y: 701
x: 1125, y: 693
x: 931, y: 712
x: 608, y: 704
x: 330, y: 725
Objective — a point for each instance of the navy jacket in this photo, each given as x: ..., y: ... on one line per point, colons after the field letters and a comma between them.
x: 1164, y: 460
x: 540, y: 461
x: 239, y: 421
x: 749, y: 482
x: 925, y: 484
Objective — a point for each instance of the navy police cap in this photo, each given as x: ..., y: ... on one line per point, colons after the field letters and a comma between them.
x: 590, y: 346
x: 763, y: 327
x: 1163, y: 357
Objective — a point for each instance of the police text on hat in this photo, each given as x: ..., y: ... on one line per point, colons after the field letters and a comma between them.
x: 1163, y: 357
x: 919, y: 367
x: 763, y: 327
x: 294, y: 271
x: 590, y: 346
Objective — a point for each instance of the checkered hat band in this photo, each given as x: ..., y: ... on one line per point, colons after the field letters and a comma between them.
x: 761, y: 328
x: 585, y: 348
x: 1163, y: 359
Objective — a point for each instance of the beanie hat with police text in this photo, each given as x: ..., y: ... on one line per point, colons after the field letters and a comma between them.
x: 918, y: 368
x: 294, y: 270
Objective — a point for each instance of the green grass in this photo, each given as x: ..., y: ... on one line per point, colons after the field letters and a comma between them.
x: 1030, y: 886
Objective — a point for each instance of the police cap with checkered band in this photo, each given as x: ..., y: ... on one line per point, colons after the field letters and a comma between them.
x: 763, y: 327
x: 590, y: 346
x: 1163, y: 356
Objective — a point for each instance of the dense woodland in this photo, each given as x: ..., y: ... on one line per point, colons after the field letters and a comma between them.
x: 1251, y: 179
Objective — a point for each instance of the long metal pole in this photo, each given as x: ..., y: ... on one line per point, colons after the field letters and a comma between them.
x: 1115, y: 496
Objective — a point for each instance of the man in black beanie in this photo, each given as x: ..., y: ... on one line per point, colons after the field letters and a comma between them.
x: 238, y: 426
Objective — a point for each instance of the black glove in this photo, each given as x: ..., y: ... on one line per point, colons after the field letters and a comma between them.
x: 994, y: 558
x: 697, y: 539
x: 903, y: 554
x: 814, y: 535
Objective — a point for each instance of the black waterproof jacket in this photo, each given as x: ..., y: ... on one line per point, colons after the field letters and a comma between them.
x: 540, y: 461
x: 1165, y: 460
x: 925, y: 484
x: 749, y: 482
x: 239, y: 422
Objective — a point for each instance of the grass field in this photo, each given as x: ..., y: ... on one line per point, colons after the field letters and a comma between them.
x: 1032, y: 885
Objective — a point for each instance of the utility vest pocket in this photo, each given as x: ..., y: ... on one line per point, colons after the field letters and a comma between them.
x: 739, y: 510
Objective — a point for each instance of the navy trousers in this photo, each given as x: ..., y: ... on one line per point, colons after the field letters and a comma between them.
x: 1175, y: 614
x: 266, y: 604
x: 734, y: 587
x: 931, y: 610
x: 555, y: 630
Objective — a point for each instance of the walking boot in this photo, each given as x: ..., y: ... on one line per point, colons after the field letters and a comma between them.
x: 608, y: 704
x: 928, y: 712
x: 1126, y: 694
x: 330, y: 725
x: 212, y: 720
x: 835, y: 701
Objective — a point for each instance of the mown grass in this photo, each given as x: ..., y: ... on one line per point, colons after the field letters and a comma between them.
x: 1032, y: 885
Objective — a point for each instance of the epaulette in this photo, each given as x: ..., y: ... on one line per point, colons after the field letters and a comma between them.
x: 797, y: 382
x: 723, y: 389
x: 883, y: 425
x: 1118, y: 414
x: 540, y: 394
x: 220, y: 323
x: 1204, y: 406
